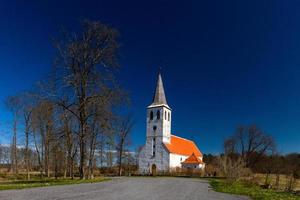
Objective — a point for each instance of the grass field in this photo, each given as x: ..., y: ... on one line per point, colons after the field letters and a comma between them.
x: 255, y: 192
x: 35, y: 182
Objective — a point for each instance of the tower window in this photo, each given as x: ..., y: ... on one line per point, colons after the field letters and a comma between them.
x: 168, y: 116
x: 151, y: 115
x: 153, y: 147
x: 154, y: 128
x: 158, y: 114
x: 165, y: 115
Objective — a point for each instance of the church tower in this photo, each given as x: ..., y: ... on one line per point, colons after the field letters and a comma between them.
x: 164, y: 152
x: 159, y: 116
x: 154, y: 155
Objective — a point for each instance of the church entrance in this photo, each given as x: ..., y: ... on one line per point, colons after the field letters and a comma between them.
x: 153, y: 170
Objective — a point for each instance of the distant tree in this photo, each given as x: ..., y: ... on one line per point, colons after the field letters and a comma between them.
x: 292, y: 170
x: 124, y: 128
x: 13, y: 105
x: 42, y: 117
x: 70, y: 142
x: 100, y: 125
x: 209, y: 158
x: 232, y: 167
x: 27, y: 104
x: 1, y: 154
x: 211, y: 165
x: 250, y: 143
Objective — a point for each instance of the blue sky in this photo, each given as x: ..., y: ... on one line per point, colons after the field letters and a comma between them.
x: 225, y: 63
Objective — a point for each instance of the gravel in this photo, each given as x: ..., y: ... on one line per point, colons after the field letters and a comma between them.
x: 137, y: 188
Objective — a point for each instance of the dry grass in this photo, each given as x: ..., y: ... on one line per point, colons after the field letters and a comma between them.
x: 283, y: 179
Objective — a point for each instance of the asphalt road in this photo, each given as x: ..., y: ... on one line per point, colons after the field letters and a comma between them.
x: 125, y: 189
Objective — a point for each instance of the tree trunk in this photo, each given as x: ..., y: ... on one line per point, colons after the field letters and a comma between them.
x: 65, y: 165
x: 27, y: 152
x: 46, y: 160
x: 72, y: 170
x: 267, y: 178
x: 120, y: 160
x: 82, y: 157
x: 277, y: 181
x: 14, y: 159
x: 82, y: 114
x: 91, y: 165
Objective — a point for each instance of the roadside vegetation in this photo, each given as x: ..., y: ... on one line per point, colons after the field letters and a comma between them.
x: 251, y: 190
x: 37, y: 182
x: 250, y: 165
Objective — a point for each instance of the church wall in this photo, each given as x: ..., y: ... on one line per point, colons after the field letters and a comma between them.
x: 146, y: 159
x: 175, y: 160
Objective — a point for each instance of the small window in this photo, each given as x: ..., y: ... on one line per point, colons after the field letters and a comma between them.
x: 158, y: 115
x: 165, y: 115
x: 168, y: 116
x: 151, y: 115
x: 153, y: 147
x: 154, y: 128
x: 180, y: 159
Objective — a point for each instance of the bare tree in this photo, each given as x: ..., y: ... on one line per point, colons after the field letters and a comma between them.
x: 232, y: 167
x: 292, y: 170
x: 83, y: 76
x: 43, y: 133
x: 13, y: 105
x: 70, y: 144
x: 27, y: 100
x: 69, y: 117
x: 250, y: 143
x: 124, y: 128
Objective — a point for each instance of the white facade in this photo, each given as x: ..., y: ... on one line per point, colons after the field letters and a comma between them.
x: 176, y: 160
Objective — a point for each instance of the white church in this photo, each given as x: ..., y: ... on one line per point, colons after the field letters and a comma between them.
x: 163, y: 151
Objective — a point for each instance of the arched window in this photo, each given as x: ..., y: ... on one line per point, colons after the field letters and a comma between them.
x: 165, y: 115
x: 151, y: 115
x: 154, y: 128
x: 168, y: 116
x: 158, y: 115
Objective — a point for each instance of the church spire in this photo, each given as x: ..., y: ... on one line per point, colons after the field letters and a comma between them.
x: 159, y: 97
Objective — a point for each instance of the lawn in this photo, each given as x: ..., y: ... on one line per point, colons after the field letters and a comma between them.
x: 255, y: 192
x: 22, y: 184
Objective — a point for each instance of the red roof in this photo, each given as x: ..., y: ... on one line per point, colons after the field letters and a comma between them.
x: 182, y: 146
x: 192, y: 160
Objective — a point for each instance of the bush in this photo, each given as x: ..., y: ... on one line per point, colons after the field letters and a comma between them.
x: 233, y: 168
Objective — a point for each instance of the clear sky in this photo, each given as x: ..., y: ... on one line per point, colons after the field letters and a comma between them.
x: 225, y: 63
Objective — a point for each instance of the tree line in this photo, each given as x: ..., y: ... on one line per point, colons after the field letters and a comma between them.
x: 77, y: 117
x: 250, y: 151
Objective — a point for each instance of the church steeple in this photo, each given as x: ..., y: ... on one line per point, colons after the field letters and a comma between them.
x: 159, y: 97
x: 159, y: 116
